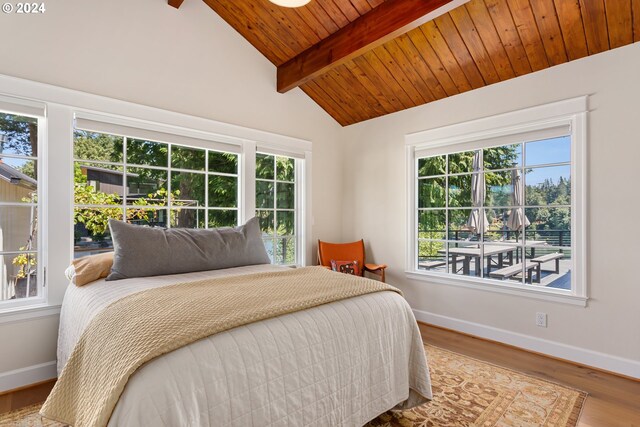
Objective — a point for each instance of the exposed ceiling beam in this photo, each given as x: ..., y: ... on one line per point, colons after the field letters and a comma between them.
x: 176, y: 3
x: 383, y: 23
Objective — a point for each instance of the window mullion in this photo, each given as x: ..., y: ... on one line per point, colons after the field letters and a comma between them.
x: 206, y: 189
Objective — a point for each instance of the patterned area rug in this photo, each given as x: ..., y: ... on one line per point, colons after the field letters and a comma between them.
x: 467, y: 392
x: 470, y: 392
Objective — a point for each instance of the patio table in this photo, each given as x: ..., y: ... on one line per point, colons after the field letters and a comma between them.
x: 532, y: 243
x: 469, y: 252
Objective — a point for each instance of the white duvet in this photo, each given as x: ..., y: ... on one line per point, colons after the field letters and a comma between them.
x: 339, y: 364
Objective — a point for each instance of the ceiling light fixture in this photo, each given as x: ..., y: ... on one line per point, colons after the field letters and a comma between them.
x: 290, y: 3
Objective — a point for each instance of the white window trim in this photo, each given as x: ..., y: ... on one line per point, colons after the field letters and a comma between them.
x: 36, y: 110
x: 62, y: 105
x: 303, y: 155
x: 570, y: 112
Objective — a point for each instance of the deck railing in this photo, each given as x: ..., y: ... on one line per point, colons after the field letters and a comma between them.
x: 461, y: 237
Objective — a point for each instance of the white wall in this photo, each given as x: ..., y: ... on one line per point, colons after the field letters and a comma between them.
x: 187, y: 60
x: 374, y: 202
x: 190, y: 61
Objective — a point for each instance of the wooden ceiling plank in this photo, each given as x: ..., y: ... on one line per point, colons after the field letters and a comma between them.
x: 619, y: 22
x: 471, y: 38
x: 479, y: 15
x: 421, y: 43
x: 572, y: 29
x: 387, y: 76
x: 334, y: 12
x: 379, y: 83
x: 506, y: 28
x: 316, y: 10
x: 347, y: 9
x: 340, y: 99
x: 595, y: 25
x: 529, y: 34
x: 636, y: 20
x: 410, y: 70
x: 546, y: 17
x: 357, y: 100
x: 330, y: 103
x: 363, y: 95
x: 268, y: 44
x: 254, y: 21
x: 375, y: 3
x: 399, y: 75
x: 290, y: 19
x: 375, y: 92
x: 406, y: 45
x: 440, y: 47
x: 460, y: 51
x: 362, y: 6
x: 373, y: 29
x: 320, y: 98
x: 259, y: 9
x: 176, y: 3
x: 357, y: 106
x: 313, y: 22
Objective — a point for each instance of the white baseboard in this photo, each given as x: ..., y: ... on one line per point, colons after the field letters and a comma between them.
x: 26, y: 376
x: 620, y: 365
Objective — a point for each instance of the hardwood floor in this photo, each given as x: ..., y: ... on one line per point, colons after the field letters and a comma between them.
x: 25, y: 396
x: 613, y: 401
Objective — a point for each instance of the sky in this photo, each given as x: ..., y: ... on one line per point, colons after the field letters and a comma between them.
x: 555, y: 150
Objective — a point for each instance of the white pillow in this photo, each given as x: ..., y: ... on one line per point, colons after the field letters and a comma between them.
x: 70, y: 274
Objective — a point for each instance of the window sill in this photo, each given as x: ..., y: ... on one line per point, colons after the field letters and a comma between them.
x: 502, y: 288
x: 17, y: 314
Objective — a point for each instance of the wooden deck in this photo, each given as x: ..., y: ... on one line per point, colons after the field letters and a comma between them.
x: 548, y: 277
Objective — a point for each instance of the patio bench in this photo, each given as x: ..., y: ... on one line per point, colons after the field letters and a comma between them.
x: 431, y: 264
x: 512, y: 270
x: 550, y: 257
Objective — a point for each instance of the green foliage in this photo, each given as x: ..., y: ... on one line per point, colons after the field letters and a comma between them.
x: 432, y: 191
x: 97, y: 147
x: 188, y: 188
x: 550, y: 195
x: 275, y: 188
x: 21, y: 133
x: 26, y: 264
x: 497, y: 162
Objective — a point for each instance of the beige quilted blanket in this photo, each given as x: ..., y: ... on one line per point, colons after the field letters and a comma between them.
x: 150, y: 323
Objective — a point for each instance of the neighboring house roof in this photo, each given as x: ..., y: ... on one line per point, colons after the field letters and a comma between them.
x: 105, y: 170
x: 14, y: 176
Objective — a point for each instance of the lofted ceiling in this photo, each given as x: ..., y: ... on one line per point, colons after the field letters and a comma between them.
x: 473, y: 45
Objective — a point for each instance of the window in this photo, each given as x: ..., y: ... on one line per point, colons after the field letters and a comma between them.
x: 276, y: 207
x: 20, y: 242
x: 499, y: 207
x: 150, y: 183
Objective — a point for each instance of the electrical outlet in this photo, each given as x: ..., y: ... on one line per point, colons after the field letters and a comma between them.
x: 541, y: 319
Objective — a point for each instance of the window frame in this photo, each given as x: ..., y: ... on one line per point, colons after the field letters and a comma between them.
x: 169, y: 169
x: 61, y: 106
x: 495, y: 131
x: 38, y: 111
x: 299, y: 203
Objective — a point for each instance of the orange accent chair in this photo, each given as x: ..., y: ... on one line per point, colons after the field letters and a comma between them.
x: 347, y: 252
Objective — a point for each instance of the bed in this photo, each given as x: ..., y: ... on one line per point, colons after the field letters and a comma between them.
x: 342, y: 363
x: 181, y: 327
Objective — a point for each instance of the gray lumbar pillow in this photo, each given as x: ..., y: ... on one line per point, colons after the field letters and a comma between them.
x: 145, y: 251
